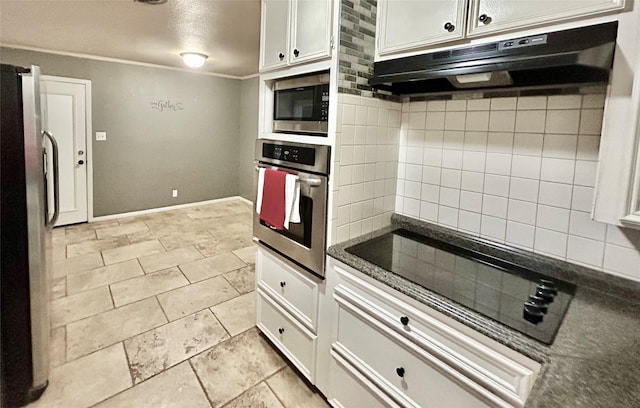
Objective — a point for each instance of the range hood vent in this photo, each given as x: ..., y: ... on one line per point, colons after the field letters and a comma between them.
x: 572, y: 57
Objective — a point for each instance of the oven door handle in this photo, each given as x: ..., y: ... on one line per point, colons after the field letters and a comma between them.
x: 312, y: 182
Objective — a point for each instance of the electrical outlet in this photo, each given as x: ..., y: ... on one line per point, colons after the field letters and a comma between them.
x: 101, y: 136
x: 174, y: 193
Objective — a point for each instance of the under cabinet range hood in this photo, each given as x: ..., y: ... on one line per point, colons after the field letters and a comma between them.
x: 572, y: 57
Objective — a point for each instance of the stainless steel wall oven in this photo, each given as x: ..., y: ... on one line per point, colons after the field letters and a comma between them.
x: 303, y: 243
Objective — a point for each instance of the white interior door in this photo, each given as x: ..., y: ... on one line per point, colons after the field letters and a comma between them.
x: 64, y: 115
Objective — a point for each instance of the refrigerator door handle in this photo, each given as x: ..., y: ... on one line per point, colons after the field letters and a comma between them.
x: 56, y: 182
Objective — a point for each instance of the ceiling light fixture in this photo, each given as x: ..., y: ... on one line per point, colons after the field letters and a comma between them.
x: 152, y: 2
x: 193, y: 59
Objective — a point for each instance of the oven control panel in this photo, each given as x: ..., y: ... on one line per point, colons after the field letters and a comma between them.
x: 292, y: 154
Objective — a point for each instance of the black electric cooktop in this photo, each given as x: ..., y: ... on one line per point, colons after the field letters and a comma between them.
x: 525, y: 300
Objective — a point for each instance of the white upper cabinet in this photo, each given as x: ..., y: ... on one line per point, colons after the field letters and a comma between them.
x: 294, y: 31
x: 274, y: 34
x: 407, y: 27
x: 407, y: 24
x: 489, y: 16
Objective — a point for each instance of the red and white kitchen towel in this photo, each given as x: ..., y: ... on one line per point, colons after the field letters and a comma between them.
x: 278, y: 198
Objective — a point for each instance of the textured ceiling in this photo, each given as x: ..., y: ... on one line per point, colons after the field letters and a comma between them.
x: 227, y: 31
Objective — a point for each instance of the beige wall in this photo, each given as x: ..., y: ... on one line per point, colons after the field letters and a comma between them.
x: 248, y: 135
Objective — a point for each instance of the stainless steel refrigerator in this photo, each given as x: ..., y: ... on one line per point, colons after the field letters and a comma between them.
x: 27, y: 220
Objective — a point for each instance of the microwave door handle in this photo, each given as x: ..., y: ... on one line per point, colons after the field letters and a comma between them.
x: 312, y: 182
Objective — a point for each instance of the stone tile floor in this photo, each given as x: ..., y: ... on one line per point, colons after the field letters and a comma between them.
x: 159, y: 311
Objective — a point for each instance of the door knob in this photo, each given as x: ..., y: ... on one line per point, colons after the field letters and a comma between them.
x: 484, y: 19
x: 449, y: 27
x: 81, y: 162
x: 400, y: 372
x: 281, y: 56
x: 296, y: 52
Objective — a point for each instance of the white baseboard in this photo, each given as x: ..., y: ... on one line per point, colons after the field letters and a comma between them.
x: 169, y: 208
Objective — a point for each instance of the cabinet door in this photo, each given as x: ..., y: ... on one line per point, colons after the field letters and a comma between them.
x: 410, y: 24
x: 488, y: 16
x: 274, y: 30
x: 310, y: 30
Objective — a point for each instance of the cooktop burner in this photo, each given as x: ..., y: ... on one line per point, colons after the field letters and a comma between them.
x: 525, y: 300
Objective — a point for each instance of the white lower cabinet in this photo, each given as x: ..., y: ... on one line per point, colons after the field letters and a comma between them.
x: 385, y: 350
x: 286, y: 306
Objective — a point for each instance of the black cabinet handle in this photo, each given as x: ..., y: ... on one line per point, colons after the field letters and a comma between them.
x: 485, y: 19
x: 404, y: 320
x: 283, y: 284
x: 281, y: 330
x: 81, y: 162
x: 296, y: 52
x: 449, y: 27
x: 400, y: 372
x: 281, y: 56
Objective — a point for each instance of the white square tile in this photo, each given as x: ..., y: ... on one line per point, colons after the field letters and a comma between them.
x: 498, y: 163
x: 452, y: 159
x: 348, y: 115
x: 355, y: 229
x: 585, y: 251
x: 532, y: 102
x: 459, y: 105
x: 433, y: 138
x: 413, y: 172
x: 414, y: 155
x: 469, y: 221
x: 530, y: 121
x: 472, y: 181
x: 582, y: 225
x: 473, y: 161
x: 449, y: 197
x: 522, y: 189
x: 402, y: 172
x: 346, y: 173
x: 417, y: 120
x: 361, y: 115
x: 399, y: 188
x: 453, y: 139
x: 593, y: 101
x: 471, y: 201
x: 586, y: 173
x: 523, y: 212
x: 520, y: 234
x: 529, y: 144
x: 372, y: 115
x: 356, y: 212
x: 557, y: 170
x: 560, y: 146
x: 555, y: 194
x: 367, y: 226
x: 494, y: 206
x: 588, y: 147
x: 394, y: 118
x: 625, y: 237
x: 360, y: 137
x: 563, y: 121
x: 553, y: 218
x: 502, y: 121
x: 448, y: 216
x: 564, y: 102
x: 436, y: 106
x: 450, y: 178
x: 412, y: 189
x: 415, y: 138
x: 475, y: 141
x: 383, y: 117
x: 344, y: 195
x: 526, y: 166
x: 434, y: 121
x: 431, y: 174
x: 455, y: 120
x: 358, y: 173
x: 357, y: 192
x: 429, y: 211
x: 551, y: 242
x: 370, y: 154
x: 503, y: 103
x: 477, y: 121
x: 430, y: 193
x: 433, y: 157
x: 582, y: 198
x: 622, y: 260
x: 411, y: 207
x: 418, y: 106
x: 591, y: 122
x: 496, y: 185
x: 500, y: 142
x: 493, y: 227
x: 346, y: 155
x: 478, y: 104
x: 348, y: 134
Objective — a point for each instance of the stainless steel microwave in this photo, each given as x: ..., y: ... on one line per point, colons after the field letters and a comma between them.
x: 301, y: 105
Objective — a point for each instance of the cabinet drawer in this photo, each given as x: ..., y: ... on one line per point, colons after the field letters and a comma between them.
x: 487, y: 364
x: 293, y: 340
x: 411, y: 378
x: 289, y: 286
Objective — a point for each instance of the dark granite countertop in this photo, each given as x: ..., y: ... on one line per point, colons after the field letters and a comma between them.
x: 595, y: 358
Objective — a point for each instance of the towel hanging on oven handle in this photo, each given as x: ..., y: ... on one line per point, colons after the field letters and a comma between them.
x: 313, y: 182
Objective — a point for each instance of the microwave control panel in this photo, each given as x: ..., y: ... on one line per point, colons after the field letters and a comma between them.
x: 324, y: 103
x: 292, y: 154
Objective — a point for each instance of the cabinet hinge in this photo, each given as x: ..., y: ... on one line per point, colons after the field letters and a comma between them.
x: 332, y: 42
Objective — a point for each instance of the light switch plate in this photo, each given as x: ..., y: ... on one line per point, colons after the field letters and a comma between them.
x: 101, y: 136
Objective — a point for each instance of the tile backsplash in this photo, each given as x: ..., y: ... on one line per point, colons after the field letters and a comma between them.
x: 517, y: 170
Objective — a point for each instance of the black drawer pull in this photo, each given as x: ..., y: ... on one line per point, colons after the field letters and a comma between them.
x: 280, y: 330
x: 400, y: 372
x: 404, y: 320
x: 283, y: 284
